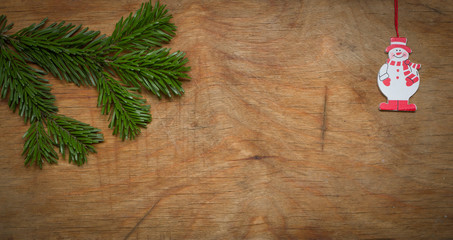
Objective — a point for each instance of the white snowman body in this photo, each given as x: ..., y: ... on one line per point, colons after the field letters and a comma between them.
x: 397, y: 87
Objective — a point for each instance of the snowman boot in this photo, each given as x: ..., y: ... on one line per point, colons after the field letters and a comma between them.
x: 392, y: 105
x: 404, y: 105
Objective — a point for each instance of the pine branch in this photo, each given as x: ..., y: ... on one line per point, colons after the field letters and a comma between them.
x: 148, y: 27
x: 4, y: 28
x: 63, y: 50
x: 157, y: 71
x: 38, y: 146
x: 73, y: 135
x: 127, y: 110
x: 63, y: 132
x: 81, y: 56
x: 25, y: 87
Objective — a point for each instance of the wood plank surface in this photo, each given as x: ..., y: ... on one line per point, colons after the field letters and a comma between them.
x: 277, y: 137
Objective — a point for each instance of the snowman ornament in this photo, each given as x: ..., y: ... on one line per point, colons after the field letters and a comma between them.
x: 398, y: 78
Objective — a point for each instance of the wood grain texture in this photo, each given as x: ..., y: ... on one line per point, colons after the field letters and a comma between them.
x: 277, y: 137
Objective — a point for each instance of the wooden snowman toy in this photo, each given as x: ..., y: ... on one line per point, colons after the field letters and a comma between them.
x: 398, y: 79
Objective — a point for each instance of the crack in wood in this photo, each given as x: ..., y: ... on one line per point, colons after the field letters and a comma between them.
x: 141, y: 220
x: 324, y: 118
x: 255, y: 157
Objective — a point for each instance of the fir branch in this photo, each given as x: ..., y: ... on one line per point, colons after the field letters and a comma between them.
x: 127, y: 110
x: 73, y: 135
x: 25, y: 87
x: 158, y: 71
x: 38, y: 146
x: 4, y: 27
x: 63, y: 50
x: 81, y: 56
x: 148, y: 27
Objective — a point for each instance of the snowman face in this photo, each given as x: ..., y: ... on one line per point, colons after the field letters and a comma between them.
x: 398, y: 54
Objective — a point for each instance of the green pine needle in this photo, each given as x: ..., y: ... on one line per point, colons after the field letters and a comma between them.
x: 4, y: 27
x: 119, y: 65
x: 63, y: 50
x: 73, y: 135
x: 158, y: 71
x: 38, y: 146
x: 24, y: 86
x: 127, y: 110
x: 148, y: 27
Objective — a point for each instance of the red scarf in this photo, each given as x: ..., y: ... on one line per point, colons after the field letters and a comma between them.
x: 407, y: 72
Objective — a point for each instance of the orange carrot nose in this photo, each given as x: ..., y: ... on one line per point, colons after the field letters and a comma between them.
x: 398, y: 53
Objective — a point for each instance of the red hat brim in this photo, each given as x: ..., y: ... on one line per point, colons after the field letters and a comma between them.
x: 398, y: 46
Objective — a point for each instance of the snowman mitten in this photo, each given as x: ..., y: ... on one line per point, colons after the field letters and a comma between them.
x: 411, y: 80
x: 385, y: 78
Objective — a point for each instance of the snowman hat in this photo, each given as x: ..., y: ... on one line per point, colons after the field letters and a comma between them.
x: 398, y: 43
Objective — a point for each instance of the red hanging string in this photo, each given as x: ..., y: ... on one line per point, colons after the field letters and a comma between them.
x: 396, y: 18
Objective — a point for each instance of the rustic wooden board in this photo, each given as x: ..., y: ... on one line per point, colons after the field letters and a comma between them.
x: 278, y: 134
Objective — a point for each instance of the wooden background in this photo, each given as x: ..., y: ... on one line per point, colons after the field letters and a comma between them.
x: 277, y: 137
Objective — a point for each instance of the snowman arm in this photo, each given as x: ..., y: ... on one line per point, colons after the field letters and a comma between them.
x: 383, y: 74
x: 412, y: 65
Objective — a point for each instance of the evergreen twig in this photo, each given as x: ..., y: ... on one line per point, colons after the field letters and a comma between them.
x: 24, y: 86
x: 38, y: 145
x: 148, y: 27
x: 118, y: 65
x: 127, y: 110
x: 73, y: 135
x: 63, y: 50
x: 157, y: 71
